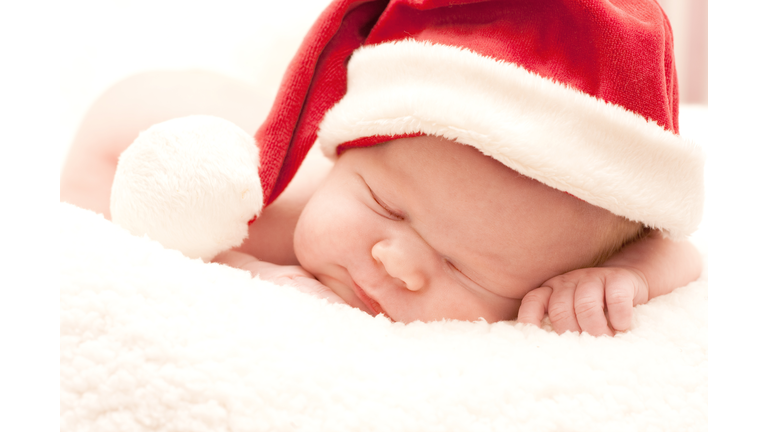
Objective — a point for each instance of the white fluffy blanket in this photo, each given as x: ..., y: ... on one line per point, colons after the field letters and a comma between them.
x: 151, y: 340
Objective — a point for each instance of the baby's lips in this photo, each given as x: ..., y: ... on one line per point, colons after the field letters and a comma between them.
x: 370, y: 303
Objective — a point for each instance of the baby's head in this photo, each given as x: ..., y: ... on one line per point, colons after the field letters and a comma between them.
x: 426, y: 229
x: 482, y: 146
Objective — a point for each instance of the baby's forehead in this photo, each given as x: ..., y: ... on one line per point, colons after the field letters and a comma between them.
x: 428, y: 155
x: 438, y: 174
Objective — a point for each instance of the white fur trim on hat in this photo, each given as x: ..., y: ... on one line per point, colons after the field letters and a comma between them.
x: 190, y: 183
x: 568, y: 140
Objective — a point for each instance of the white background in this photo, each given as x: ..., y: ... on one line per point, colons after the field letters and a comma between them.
x: 56, y: 57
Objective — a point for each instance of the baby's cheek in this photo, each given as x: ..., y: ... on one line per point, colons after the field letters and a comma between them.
x: 303, y: 241
x: 316, y: 235
x: 334, y: 225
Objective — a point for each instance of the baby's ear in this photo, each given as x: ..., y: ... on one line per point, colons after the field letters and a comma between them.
x: 191, y: 183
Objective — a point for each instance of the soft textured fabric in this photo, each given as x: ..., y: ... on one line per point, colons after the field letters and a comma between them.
x: 600, y: 74
x: 570, y: 141
x: 154, y: 341
x: 190, y: 183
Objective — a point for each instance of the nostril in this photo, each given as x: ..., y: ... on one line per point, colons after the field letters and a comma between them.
x: 397, y: 265
x: 377, y: 252
x: 413, y: 282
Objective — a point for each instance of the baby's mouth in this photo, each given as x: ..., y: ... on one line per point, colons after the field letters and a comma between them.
x: 372, y: 304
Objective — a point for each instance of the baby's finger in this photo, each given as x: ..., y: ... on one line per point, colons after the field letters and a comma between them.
x: 561, y: 312
x: 619, y: 296
x: 589, y: 306
x: 533, y: 307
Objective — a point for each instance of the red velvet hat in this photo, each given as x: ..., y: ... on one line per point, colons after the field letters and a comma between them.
x: 579, y: 95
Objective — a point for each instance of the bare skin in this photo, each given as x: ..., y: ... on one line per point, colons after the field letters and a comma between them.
x: 427, y: 229
x: 594, y: 300
x: 133, y: 105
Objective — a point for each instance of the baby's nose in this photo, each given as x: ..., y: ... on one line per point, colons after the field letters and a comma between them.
x: 400, y: 263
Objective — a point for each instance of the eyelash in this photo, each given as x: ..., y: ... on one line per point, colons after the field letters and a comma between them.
x: 389, y: 211
x: 461, y: 273
x: 456, y: 269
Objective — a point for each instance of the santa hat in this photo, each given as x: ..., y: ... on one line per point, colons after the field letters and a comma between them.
x: 579, y: 95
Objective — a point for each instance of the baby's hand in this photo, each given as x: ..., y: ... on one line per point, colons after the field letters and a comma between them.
x: 577, y: 301
x: 293, y: 276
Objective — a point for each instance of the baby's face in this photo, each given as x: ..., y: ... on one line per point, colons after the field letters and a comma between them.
x: 427, y: 229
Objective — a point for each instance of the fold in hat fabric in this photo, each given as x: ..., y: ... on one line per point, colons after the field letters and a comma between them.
x: 579, y: 95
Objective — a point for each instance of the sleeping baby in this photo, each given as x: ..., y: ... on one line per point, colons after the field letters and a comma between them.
x: 490, y: 160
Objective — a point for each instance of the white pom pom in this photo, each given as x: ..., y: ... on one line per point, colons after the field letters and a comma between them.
x: 190, y: 183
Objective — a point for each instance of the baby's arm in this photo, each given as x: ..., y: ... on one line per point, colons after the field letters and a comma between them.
x: 292, y: 275
x: 131, y: 106
x: 577, y: 300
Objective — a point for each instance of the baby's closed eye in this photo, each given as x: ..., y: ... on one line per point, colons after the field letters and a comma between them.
x: 391, y: 213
